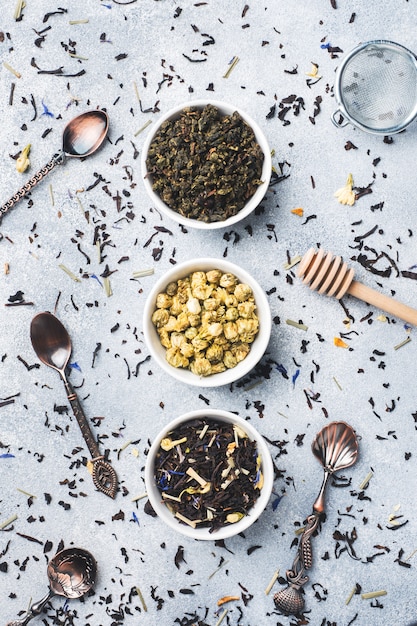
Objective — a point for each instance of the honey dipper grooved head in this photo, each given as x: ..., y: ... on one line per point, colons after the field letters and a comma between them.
x: 325, y: 273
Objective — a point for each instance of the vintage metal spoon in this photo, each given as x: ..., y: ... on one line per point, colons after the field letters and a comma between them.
x: 328, y: 274
x: 336, y: 447
x: 52, y: 344
x: 81, y: 137
x: 71, y: 573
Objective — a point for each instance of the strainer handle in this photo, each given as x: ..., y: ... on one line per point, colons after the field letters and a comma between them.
x: 337, y: 122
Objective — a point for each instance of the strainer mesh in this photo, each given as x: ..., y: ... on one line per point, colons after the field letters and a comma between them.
x: 379, y: 86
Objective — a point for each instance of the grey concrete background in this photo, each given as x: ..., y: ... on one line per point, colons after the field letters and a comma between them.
x: 175, y: 52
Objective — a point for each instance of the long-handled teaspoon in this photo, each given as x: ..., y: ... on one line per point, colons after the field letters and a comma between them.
x: 52, y: 344
x: 336, y: 447
x: 71, y: 573
x: 81, y: 137
x: 328, y: 274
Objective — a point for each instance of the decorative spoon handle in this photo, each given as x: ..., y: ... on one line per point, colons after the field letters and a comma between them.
x: 57, y: 159
x: 336, y: 447
x: 34, y: 611
x: 104, y: 475
x: 289, y: 600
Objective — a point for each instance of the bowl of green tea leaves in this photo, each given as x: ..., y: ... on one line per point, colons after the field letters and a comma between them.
x: 206, y: 164
x: 209, y: 474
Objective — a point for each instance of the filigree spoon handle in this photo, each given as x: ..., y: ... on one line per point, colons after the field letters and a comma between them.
x: 57, y: 159
x: 104, y: 475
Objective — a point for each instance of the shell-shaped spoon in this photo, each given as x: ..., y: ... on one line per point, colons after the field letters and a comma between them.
x: 52, y: 344
x: 329, y: 274
x: 71, y: 573
x: 336, y: 447
x: 81, y: 137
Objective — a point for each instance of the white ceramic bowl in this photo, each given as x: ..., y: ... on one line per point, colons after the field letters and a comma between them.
x: 253, y: 202
x: 252, y: 515
x: 258, y: 347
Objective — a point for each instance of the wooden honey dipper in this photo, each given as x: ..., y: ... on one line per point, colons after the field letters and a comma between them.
x: 328, y: 274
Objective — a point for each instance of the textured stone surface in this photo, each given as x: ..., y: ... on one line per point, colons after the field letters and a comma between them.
x: 173, y: 53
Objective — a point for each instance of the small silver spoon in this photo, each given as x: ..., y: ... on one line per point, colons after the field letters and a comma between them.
x: 336, y: 447
x: 81, y: 137
x: 71, y: 573
x: 52, y: 344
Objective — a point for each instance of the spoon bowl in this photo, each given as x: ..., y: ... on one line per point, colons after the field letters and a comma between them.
x: 82, y: 136
x: 71, y: 573
x: 50, y: 341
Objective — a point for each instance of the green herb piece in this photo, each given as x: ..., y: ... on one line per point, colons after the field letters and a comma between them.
x: 140, y: 497
x: 205, y: 165
x: 107, y: 286
x: 77, y: 56
x: 142, y: 128
x: 222, y: 616
x: 350, y: 596
x: 231, y: 67
x: 20, y: 5
x: 403, y: 343
x: 70, y: 274
x: 292, y: 262
x: 337, y: 383
x: 12, y: 70
x: 141, y: 273
x: 373, y: 594
x: 296, y: 324
x: 7, y: 522
x: 272, y: 582
x: 366, y: 481
x: 219, y: 568
x: 141, y: 598
x: 51, y: 195
x: 26, y: 493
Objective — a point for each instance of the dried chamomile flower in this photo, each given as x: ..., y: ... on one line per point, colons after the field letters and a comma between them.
x: 345, y: 194
x: 240, y: 351
x: 229, y: 359
x: 231, y: 331
x: 215, y: 353
x: 246, y: 309
x: 243, y: 292
x: 201, y: 366
x: 23, y: 162
x: 160, y: 317
x: 213, y: 276
x: 176, y: 358
x: 163, y: 301
x: 193, y: 305
x: 228, y: 281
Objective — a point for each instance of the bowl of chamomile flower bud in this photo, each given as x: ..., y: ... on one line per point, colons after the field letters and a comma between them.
x: 207, y: 322
x: 209, y: 474
x: 206, y: 164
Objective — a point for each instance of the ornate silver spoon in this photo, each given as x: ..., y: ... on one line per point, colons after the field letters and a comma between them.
x: 82, y: 136
x: 71, y: 573
x: 52, y: 345
x: 336, y: 447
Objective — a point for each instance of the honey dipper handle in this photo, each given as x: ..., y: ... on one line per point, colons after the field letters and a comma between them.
x: 385, y: 303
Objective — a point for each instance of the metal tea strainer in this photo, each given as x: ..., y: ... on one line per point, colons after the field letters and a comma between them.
x: 376, y: 88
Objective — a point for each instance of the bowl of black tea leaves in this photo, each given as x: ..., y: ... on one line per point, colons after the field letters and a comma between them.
x: 206, y: 164
x: 209, y: 474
